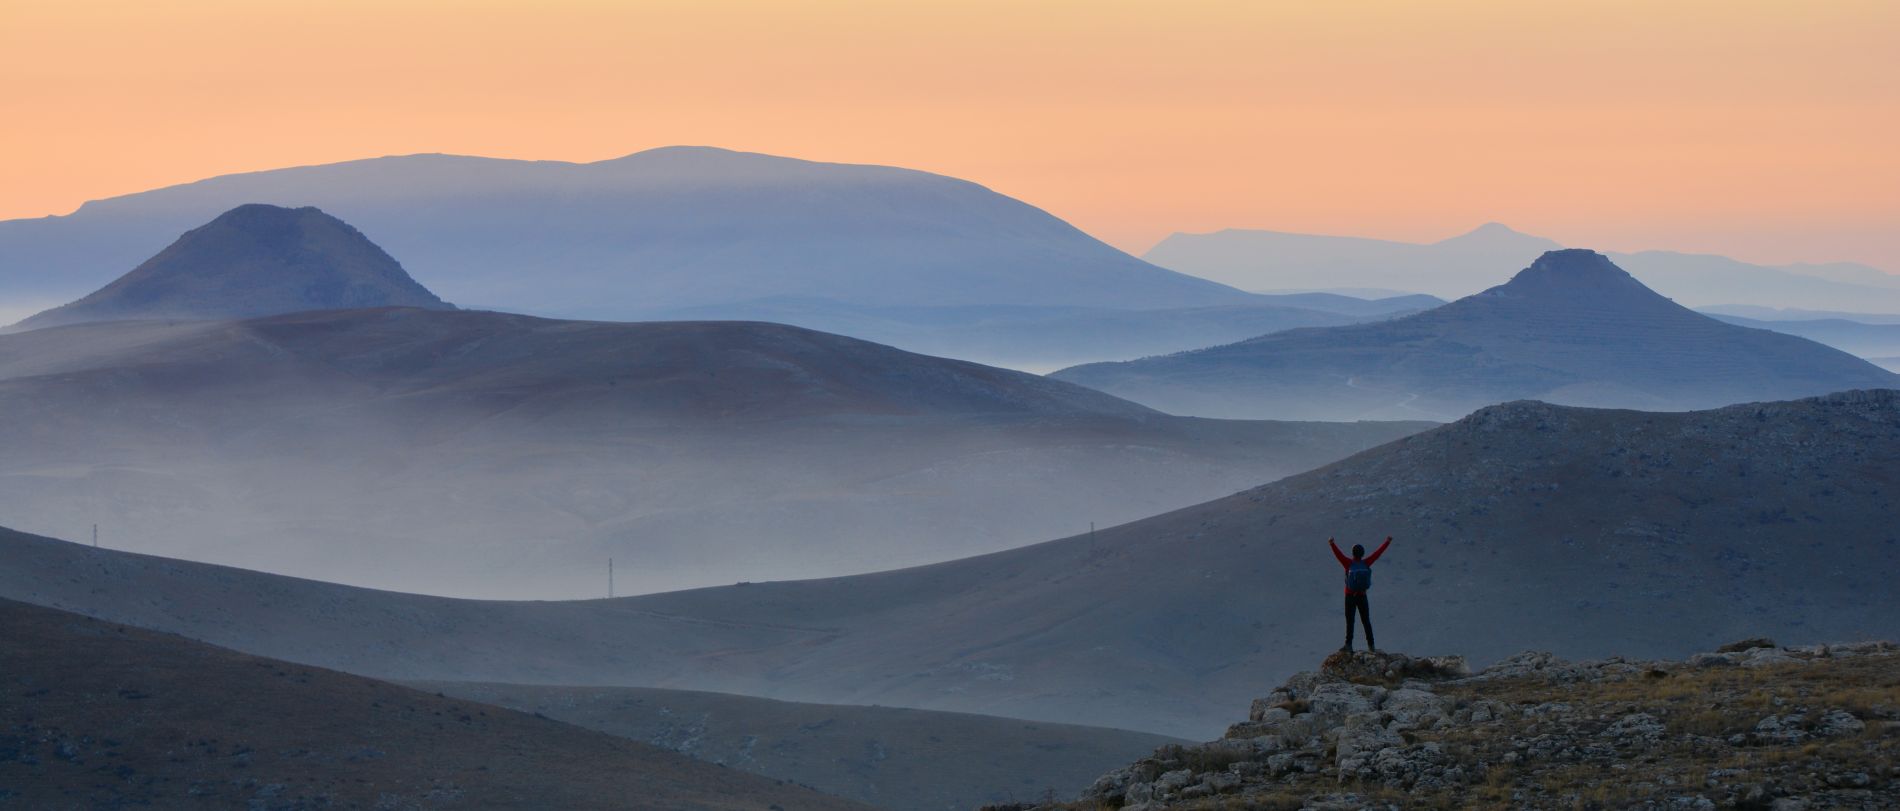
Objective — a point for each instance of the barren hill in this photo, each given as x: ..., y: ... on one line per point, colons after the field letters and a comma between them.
x: 484, y: 454
x: 1751, y: 725
x: 908, y: 760
x: 1572, y: 328
x: 252, y: 260
x: 98, y: 715
x: 1588, y: 532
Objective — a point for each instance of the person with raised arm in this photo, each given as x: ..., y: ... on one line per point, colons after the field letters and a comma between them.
x: 1358, y: 582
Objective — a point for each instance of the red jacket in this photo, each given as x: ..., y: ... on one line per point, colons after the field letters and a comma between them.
x: 1346, y: 562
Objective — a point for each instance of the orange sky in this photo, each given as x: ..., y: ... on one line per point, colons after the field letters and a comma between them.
x: 1763, y: 130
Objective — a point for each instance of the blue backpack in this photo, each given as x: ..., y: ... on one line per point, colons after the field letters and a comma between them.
x: 1359, y: 576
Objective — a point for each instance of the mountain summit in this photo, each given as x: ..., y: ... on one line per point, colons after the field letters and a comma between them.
x: 1574, y: 277
x: 253, y: 260
x: 1572, y: 328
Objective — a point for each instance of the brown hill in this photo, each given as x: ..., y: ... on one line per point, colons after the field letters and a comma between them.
x: 98, y: 715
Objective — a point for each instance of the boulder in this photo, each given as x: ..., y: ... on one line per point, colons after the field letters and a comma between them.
x: 1744, y: 645
x: 1362, y: 738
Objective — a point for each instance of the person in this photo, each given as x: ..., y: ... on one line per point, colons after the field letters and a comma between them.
x: 1358, y: 580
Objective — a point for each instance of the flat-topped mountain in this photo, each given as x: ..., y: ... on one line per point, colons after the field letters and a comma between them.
x: 655, y: 230
x: 1524, y: 524
x: 97, y: 715
x: 1572, y: 328
x: 253, y: 260
x: 486, y: 454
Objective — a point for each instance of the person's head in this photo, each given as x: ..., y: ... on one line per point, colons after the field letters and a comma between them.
x: 1358, y: 551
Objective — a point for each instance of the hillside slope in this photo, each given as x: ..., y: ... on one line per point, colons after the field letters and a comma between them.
x: 96, y: 715
x: 252, y: 260
x: 1524, y: 524
x: 1571, y: 328
x: 910, y: 760
x: 484, y: 454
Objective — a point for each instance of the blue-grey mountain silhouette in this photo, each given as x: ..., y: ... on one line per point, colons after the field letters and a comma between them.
x: 251, y: 261
x: 1464, y: 264
x: 481, y: 453
x: 664, y: 228
x: 1572, y: 328
x: 916, y: 260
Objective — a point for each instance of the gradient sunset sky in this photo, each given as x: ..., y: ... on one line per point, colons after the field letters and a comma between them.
x: 1766, y: 131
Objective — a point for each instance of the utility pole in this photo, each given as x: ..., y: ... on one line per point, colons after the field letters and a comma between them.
x: 610, y: 578
x: 95, y: 536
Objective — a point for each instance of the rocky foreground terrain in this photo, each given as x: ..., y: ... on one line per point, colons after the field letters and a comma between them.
x: 1749, y: 726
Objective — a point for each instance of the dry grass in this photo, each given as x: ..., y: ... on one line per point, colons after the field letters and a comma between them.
x: 1700, y: 710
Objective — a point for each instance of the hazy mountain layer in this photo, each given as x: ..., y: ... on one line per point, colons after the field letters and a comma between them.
x: 665, y: 228
x: 885, y: 756
x: 96, y: 715
x: 252, y: 260
x: 1586, y: 532
x: 1572, y: 328
x: 483, y: 454
x: 1862, y: 339
x: 1797, y: 314
x: 1043, y: 339
x: 1462, y: 265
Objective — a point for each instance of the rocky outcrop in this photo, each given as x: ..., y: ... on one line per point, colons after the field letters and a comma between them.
x: 1750, y: 726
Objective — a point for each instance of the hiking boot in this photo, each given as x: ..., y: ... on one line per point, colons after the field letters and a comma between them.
x: 1345, y: 649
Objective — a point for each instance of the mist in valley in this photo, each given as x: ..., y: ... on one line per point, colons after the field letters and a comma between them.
x: 488, y: 455
x: 700, y: 409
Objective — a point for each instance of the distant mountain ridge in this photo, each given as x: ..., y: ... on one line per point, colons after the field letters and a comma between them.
x: 253, y: 260
x: 1470, y: 262
x: 664, y: 228
x: 1572, y: 328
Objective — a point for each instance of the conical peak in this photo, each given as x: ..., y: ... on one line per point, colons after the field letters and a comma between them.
x: 273, y: 223
x: 1493, y: 229
x: 249, y: 213
x: 1574, y: 272
x: 254, y: 260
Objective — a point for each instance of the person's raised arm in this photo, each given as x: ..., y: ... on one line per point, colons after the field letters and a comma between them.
x: 1374, y: 557
x: 1344, y: 561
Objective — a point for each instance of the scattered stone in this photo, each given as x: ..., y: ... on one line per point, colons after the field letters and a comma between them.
x: 1746, y: 645
x: 1379, y: 723
x: 1838, y: 723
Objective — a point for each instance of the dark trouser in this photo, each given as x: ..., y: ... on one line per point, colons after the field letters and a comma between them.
x: 1365, y: 616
